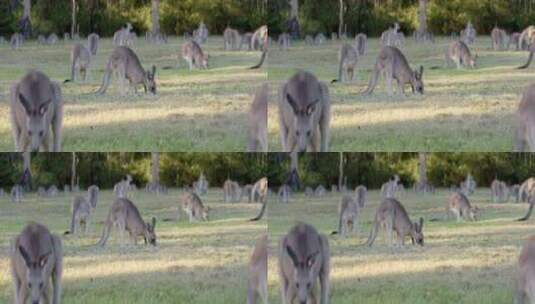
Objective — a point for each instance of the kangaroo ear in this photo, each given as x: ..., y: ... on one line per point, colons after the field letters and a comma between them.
x: 311, y: 108
x: 43, y: 259
x: 25, y: 256
x: 153, y: 70
x: 292, y: 255
x: 312, y: 259
x: 292, y: 103
x: 421, y: 71
x: 43, y: 108
x: 153, y: 222
x: 25, y: 103
x: 421, y: 223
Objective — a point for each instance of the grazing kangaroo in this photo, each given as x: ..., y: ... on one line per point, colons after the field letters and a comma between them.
x: 52, y: 191
x: 468, y: 187
x: 360, y: 195
x: 92, y: 43
x: 525, y: 274
x: 347, y: 68
x: 361, y: 44
x: 393, y: 217
x: 304, y: 259
x: 36, y: 261
x: 499, y: 192
x: 284, y: 194
x: 320, y: 191
x: 16, y: 41
x: 459, y: 205
x: 348, y: 212
x: 16, y: 194
x: 81, y: 215
x: 258, y: 287
x: 393, y: 63
x: 260, y: 188
x: 320, y: 39
x: 125, y: 216
x: 231, y: 39
x: 459, y: 53
x: 258, y: 134
x: 194, y: 208
x: 92, y: 195
x: 125, y: 63
x: 498, y: 37
x: 194, y: 55
x: 524, y: 139
x: 304, y: 114
x: 231, y: 191
x: 284, y: 41
x: 80, y: 62
x: 36, y: 109
x: 52, y: 39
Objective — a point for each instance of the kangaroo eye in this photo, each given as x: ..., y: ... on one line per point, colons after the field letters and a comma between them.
x: 40, y: 133
x: 29, y: 285
x: 308, y: 285
x: 297, y: 133
x: 308, y: 133
x: 40, y: 285
x: 297, y: 285
x: 30, y: 133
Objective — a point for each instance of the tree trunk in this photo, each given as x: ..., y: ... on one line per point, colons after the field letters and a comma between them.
x: 73, y: 16
x: 341, y: 22
x: 27, y: 9
x: 26, y: 180
x: 421, y: 35
x: 155, y: 17
x: 155, y: 168
x: 422, y: 168
x: 294, y: 9
x: 341, y: 172
x: 73, y: 171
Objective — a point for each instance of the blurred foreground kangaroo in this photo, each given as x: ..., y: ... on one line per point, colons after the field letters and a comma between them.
x: 258, y: 287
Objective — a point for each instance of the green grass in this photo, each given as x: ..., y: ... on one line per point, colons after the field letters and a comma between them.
x: 466, y: 110
x: 193, y: 263
x: 468, y: 262
x: 193, y: 111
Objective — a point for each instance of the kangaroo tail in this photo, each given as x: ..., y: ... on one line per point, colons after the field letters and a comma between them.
x: 525, y: 66
x: 261, y: 214
x: 373, y: 234
x: 373, y: 82
x: 526, y: 217
x: 105, y: 232
x: 106, y: 79
x: 262, y: 59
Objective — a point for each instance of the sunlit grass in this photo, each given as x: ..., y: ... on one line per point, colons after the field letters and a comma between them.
x: 193, y: 263
x: 462, y: 110
x: 194, y: 111
x: 463, y: 262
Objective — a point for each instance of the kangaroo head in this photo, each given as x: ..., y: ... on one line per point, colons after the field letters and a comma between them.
x: 472, y: 61
x: 417, y: 81
x: 303, y: 122
x: 303, y: 275
x: 36, y: 120
x: 204, y: 61
x: 150, y: 232
x: 205, y: 212
x: 417, y: 234
x: 35, y: 276
x: 150, y: 80
x: 474, y: 213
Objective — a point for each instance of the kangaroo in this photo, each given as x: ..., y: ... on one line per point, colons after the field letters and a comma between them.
x: 260, y: 39
x: 459, y: 53
x: 36, y: 108
x: 257, y: 132
x: 201, y: 185
x: 194, y: 55
x: 309, y: 192
x: 81, y: 210
x: 468, y: 187
x: 527, y: 189
x: 309, y: 40
x: 200, y: 35
x: 36, y: 261
x: 80, y: 62
x: 16, y: 194
x: 514, y: 40
x: 389, y: 189
x: 125, y: 63
x: 348, y: 59
x: 258, y: 287
x: 525, y: 274
x: 361, y: 44
x: 41, y: 40
x: 393, y: 63
x: 231, y: 191
x: 52, y: 39
x: 125, y: 216
x: 92, y: 43
x: 194, y: 208
x: 16, y: 41
x: 320, y: 191
x: 284, y: 41
x: 260, y: 190
x: 92, y: 195
x: 284, y: 194
x: 304, y: 114
x: 393, y: 217
x: 121, y: 188
x: 245, y: 42
x: 459, y: 205
x: 304, y: 259
x: 348, y: 212
x: 361, y: 193
x: 231, y: 39
x: 52, y: 191
x: 122, y: 37
x: 320, y: 39
x: 527, y: 37
x: 499, y: 192
x: 524, y: 139
x: 468, y: 35
x: 498, y: 37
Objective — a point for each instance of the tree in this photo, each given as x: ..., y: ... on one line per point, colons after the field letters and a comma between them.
x: 73, y: 170
x: 422, y: 168
x: 26, y: 179
x: 155, y: 168
x: 294, y: 9
x: 341, y: 24
x: 341, y: 172
x: 422, y: 35
x: 155, y: 17
x: 73, y: 18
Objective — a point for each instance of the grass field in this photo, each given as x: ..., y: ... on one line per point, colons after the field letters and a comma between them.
x: 193, y: 111
x: 468, y: 262
x: 193, y: 263
x: 466, y: 110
